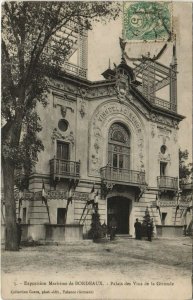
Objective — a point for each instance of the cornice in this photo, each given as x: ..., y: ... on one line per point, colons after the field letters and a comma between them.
x: 154, y: 108
x: 88, y: 87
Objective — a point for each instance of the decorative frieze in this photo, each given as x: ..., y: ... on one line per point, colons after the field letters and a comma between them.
x: 154, y: 117
x: 173, y: 203
x: 102, y: 91
x: 54, y: 195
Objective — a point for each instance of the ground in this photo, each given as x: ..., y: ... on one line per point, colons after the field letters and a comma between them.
x: 127, y: 268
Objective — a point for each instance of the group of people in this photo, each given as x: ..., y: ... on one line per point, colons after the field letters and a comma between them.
x: 140, y: 230
x: 148, y: 227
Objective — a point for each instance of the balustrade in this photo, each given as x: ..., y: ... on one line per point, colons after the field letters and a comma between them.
x: 123, y: 176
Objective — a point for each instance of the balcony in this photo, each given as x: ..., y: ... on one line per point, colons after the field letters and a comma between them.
x: 60, y: 168
x: 167, y: 183
x: 122, y: 176
x: 75, y: 70
x: 185, y: 186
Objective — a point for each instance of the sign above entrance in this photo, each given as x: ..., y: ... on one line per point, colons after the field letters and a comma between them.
x: 104, y: 116
x: 111, y: 108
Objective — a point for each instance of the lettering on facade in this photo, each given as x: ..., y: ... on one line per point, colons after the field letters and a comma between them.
x: 103, y: 115
x: 110, y: 109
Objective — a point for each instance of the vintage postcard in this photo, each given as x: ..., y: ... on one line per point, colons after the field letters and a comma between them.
x: 97, y: 184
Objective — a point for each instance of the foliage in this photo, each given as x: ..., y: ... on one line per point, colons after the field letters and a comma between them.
x: 185, y: 170
x: 96, y: 231
x: 146, y: 220
x: 37, y: 37
x: 146, y: 217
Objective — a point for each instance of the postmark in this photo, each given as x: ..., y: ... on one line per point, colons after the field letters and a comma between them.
x: 147, y: 21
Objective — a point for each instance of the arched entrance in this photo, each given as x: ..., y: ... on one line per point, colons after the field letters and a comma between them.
x: 120, y: 208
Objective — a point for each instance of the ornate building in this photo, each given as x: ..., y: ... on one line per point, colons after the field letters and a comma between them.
x: 114, y: 135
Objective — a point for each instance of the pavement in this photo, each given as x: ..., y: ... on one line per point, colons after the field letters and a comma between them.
x: 127, y: 268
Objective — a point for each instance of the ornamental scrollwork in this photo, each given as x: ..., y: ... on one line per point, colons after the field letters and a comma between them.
x: 58, y: 135
x: 122, y: 86
x: 83, y: 93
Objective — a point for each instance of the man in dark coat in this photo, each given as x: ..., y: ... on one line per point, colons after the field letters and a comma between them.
x: 112, y: 228
x: 149, y: 230
x: 19, y: 232
x: 137, y: 226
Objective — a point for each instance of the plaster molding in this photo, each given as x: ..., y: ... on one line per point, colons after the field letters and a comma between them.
x: 166, y: 157
x: 104, y: 116
x: 153, y: 128
x: 175, y: 135
x: 58, y: 135
x: 164, y: 133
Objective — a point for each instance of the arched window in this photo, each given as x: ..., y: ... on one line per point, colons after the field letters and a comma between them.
x: 119, y: 147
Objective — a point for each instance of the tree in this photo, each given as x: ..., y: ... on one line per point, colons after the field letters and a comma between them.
x: 36, y: 39
x: 96, y: 231
x: 146, y: 220
x: 185, y: 170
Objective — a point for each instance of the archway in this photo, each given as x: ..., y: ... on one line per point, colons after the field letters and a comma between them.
x: 119, y: 208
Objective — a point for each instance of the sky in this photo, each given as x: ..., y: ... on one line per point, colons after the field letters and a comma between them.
x: 103, y: 44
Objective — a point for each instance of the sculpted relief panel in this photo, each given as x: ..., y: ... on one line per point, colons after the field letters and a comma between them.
x: 104, y: 116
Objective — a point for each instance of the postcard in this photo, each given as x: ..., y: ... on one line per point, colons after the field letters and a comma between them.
x: 96, y: 150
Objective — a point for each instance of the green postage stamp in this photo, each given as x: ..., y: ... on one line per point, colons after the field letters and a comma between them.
x: 147, y: 21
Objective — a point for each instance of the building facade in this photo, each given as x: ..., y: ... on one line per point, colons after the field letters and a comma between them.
x: 113, y: 137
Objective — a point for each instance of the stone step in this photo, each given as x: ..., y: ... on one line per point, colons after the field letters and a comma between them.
x: 124, y: 236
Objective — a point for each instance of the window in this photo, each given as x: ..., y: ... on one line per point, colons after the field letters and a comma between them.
x: 61, y: 215
x: 163, y: 166
x: 62, y: 150
x: 119, y: 147
x: 63, y: 125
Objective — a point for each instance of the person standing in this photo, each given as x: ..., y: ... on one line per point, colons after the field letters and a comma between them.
x: 138, y: 229
x: 19, y: 232
x: 112, y: 227
x: 149, y: 230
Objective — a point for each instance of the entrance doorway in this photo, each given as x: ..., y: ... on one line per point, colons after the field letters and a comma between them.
x: 119, y: 207
x: 61, y: 215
